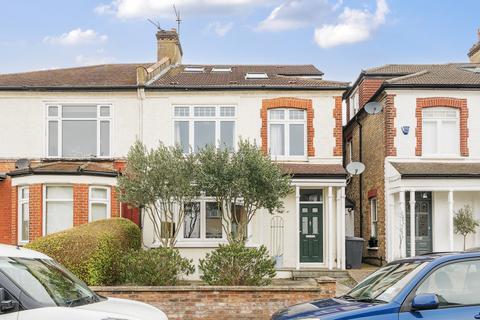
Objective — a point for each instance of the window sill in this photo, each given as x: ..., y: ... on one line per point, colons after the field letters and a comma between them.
x: 203, y: 244
x: 289, y: 158
x: 372, y: 248
x: 442, y: 157
x: 93, y: 159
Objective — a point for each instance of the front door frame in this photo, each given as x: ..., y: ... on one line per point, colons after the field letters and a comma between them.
x: 419, y: 199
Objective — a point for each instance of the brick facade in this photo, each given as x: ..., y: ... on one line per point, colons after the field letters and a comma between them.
x: 337, y: 130
x: 35, y: 205
x: 211, y: 303
x: 460, y: 104
x: 305, y: 104
x: 390, y: 112
x: 367, y: 89
x: 80, y: 204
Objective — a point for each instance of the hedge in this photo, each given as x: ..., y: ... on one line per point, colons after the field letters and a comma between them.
x: 93, y: 251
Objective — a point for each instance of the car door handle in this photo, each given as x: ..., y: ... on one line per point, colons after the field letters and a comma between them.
x: 477, y: 316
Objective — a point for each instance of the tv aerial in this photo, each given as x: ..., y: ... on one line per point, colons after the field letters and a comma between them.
x: 179, y: 19
x: 373, y: 107
x: 355, y: 168
x: 156, y: 24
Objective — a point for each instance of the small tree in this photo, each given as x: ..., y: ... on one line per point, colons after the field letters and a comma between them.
x: 464, y: 223
x: 242, y: 182
x: 161, y: 181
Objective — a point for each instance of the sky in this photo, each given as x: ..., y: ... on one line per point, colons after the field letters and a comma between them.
x: 340, y: 37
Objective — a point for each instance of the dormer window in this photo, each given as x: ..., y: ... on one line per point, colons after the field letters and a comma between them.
x: 256, y: 76
x: 194, y: 69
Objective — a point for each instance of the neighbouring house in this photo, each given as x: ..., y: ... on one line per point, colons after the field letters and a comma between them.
x: 422, y: 155
x: 66, y: 134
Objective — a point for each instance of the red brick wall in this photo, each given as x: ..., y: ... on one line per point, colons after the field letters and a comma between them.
x: 212, y: 303
x: 367, y: 89
x: 460, y: 104
x: 35, y: 206
x: 296, y: 103
x: 7, y: 219
x: 337, y: 130
x: 80, y: 204
x: 114, y: 203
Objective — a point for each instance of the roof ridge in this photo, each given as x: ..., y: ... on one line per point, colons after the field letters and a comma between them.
x: 408, y: 76
x: 76, y: 68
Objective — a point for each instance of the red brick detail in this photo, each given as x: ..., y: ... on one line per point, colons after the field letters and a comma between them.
x: 305, y: 104
x: 7, y: 217
x: 35, y: 207
x: 460, y: 104
x: 372, y: 193
x: 366, y: 90
x: 80, y: 204
x: 390, y: 113
x: 337, y: 130
x: 14, y: 215
x: 114, y: 203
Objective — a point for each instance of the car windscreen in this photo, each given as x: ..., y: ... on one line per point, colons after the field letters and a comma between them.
x: 386, y: 282
x: 47, y: 282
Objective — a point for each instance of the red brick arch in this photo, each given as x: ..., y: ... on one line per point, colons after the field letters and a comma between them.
x: 296, y: 103
x: 460, y: 104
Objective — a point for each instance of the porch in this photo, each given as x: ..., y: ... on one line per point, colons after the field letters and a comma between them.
x: 422, y: 200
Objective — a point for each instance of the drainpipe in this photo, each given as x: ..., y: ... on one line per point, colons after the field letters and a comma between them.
x: 360, y: 187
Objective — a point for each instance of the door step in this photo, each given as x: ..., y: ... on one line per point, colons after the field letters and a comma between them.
x: 317, y: 273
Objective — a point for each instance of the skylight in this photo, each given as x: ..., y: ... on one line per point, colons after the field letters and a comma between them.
x: 256, y: 75
x: 222, y: 69
x: 472, y: 69
x: 194, y: 69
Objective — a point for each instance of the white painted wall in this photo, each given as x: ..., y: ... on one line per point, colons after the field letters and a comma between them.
x: 405, y: 103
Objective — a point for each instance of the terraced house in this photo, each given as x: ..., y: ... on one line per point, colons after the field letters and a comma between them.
x: 66, y: 132
x: 422, y: 155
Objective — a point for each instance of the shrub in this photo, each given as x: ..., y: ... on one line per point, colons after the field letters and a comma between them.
x: 236, y: 265
x: 155, y: 267
x: 92, y: 251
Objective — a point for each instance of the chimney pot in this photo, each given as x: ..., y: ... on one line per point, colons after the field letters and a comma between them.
x: 168, y: 46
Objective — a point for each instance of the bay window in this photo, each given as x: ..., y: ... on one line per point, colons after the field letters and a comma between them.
x: 79, y: 131
x: 99, y: 203
x: 23, y: 214
x: 287, y: 132
x: 199, y: 126
x: 58, y: 208
x: 440, y: 132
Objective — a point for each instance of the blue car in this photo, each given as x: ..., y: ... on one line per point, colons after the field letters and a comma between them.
x: 434, y: 286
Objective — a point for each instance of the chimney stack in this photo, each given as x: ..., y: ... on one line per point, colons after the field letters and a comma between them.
x: 168, y: 46
x: 474, y: 53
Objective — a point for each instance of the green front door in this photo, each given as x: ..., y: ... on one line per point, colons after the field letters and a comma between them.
x: 311, y: 233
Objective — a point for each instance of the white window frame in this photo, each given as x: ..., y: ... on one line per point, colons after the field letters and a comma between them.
x: 59, y: 119
x: 350, y: 151
x: 439, y: 123
x: 92, y: 201
x: 191, y: 119
x: 20, y: 203
x: 354, y: 103
x: 45, y: 201
x: 374, y: 217
x: 286, y: 122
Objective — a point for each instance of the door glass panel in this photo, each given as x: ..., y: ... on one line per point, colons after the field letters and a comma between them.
x: 315, y: 210
x: 304, y: 210
x: 422, y: 225
x: 304, y: 225
x: 315, y: 225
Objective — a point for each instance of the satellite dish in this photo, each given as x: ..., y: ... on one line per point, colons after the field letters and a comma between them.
x: 22, y: 164
x: 373, y: 107
x: 355, y: 168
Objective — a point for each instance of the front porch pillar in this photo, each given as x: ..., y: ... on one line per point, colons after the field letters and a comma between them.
x: 403, y: 226
x: 330, y: 238
x: 342, y: 223
x: 412, y: 223
x: 390, y: 228
x: 297, y: 226
x: 338, y: 223
x: 450, y: 219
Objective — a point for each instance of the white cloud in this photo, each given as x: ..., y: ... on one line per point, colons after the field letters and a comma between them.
x: 76, y: 37
x: 86, y: 60
x: 294, y: 14
x: 127, y: 9
x: 220, y: 29
x: 354, y: 25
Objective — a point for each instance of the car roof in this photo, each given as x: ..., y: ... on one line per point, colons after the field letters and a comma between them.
x: 8, y: 251
x: 443, y: 256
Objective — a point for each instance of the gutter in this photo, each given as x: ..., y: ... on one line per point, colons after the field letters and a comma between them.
x: 28, y: 172
x: 318, y: 175
x: 439, y: 175
x: 223, y: 88
x: 72, y: 88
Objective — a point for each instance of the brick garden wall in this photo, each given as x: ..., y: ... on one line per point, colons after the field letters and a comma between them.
x: 209, y: 303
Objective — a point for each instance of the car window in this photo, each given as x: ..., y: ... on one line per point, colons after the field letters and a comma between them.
x: 455, y: 284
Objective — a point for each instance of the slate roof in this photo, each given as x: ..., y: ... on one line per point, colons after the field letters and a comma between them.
x: 313, y: 170
x: 124, y: 76
x: 437, y: 169
x: 68, y: 168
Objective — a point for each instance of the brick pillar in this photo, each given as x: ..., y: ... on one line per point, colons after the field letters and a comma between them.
x: 114, y: 203
x: 80, y: 204
x: 35, y: 207
x: 337, y: 130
